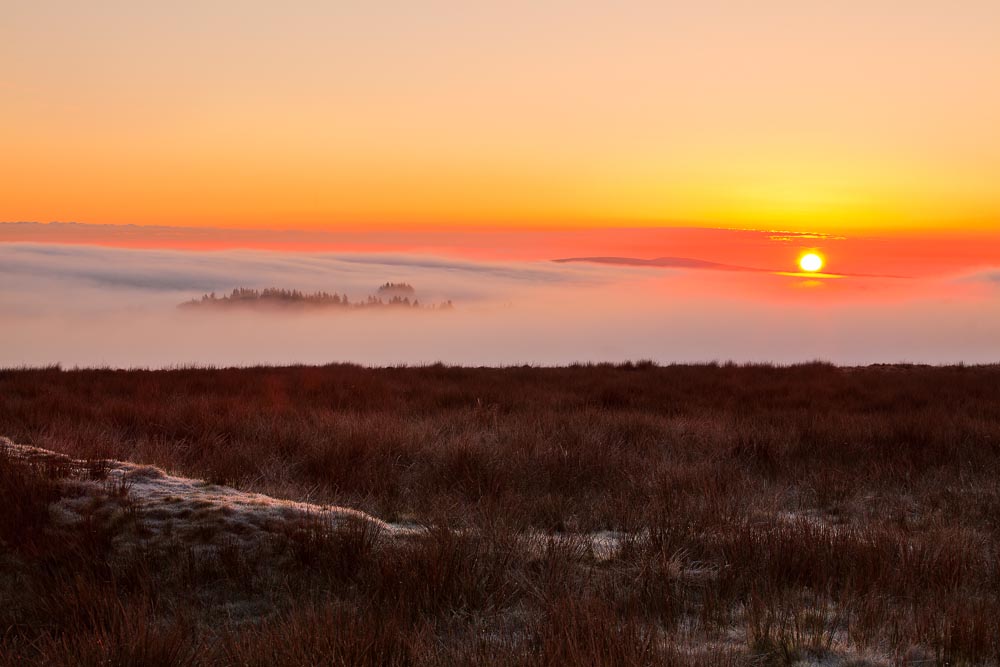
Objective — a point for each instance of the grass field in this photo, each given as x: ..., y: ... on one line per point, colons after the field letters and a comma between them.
x: 755, y: 515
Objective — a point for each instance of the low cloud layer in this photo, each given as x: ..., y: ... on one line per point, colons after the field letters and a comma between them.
x: 51, y: 278
x: 85, y: 305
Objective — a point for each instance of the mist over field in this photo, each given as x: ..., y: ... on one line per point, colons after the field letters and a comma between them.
x: 86, y: 306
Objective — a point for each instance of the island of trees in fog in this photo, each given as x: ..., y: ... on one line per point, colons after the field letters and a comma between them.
x: 389, y: 295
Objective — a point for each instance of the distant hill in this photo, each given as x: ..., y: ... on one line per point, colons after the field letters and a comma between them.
x: 285, y: 298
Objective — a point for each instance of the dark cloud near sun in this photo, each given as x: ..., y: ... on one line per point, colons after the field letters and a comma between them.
x: 988, y: 276
x: 658, y: 262
x: 697, y: 264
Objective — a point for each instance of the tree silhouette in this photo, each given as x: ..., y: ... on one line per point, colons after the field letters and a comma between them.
x: 275, y: 296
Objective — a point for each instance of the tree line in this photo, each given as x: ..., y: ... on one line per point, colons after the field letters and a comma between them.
x: 244, y: 296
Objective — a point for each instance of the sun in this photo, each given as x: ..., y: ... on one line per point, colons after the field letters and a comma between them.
x: 810, y: 262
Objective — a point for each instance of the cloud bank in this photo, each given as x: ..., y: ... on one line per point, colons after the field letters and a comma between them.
x: 51, y: 278
x: 96, y: 306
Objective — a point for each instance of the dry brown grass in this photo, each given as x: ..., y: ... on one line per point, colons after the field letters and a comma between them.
x: 770, y: 516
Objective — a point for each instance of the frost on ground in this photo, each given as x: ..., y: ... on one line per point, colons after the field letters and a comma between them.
x: 178, y: 507
x: 197, y: 511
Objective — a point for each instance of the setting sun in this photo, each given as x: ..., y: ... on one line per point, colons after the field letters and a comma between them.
x: 811, y: 262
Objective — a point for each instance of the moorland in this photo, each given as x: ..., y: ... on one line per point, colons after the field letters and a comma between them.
x: 628, y: 514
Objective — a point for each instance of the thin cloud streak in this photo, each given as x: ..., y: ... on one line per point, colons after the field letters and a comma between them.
x: 658, y: 262
x: 689, y: 263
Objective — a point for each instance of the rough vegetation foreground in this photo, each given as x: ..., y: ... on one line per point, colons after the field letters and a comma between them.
x: 602, y: 515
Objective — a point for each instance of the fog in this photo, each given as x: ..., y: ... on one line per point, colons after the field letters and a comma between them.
x: 96, y: 306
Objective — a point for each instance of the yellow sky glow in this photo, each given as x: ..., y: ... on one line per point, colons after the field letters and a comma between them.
x: 876, y: 115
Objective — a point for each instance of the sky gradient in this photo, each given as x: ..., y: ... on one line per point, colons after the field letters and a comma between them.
x: 586, y: 181
x: 841, y: 118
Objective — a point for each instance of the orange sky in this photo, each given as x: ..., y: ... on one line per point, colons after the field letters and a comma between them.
x: 854, y: 118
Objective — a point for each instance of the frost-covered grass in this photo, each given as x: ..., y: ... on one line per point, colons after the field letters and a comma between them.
x: 172, y: 505
x: 593, y: 515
